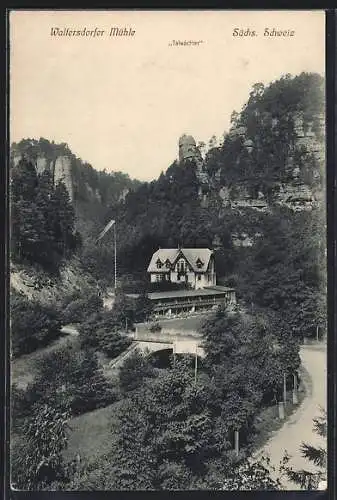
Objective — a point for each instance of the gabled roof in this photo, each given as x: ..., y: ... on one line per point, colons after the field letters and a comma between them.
x: 192, y: 255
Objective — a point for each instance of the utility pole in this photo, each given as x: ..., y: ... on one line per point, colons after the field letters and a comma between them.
x: 115, y: 245
x: 236, y: 442
x: 295, y: 398
x: 100, y: 236
x: 284, y: 389
x: 196, y: 363
x: 174, y: 352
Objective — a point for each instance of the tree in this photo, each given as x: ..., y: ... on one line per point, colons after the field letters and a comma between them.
x: 167, y: 437
x: 42, y: 218
x: 62, y: 222
x: 70, y: 378
x: 36, y: 457
x: 33, y: 325
x: 134, y: 370
x: 102, y: 332
x: 143, y: 308
x: 163, y: 426
x: 244, y: 366
x: 315, y: 454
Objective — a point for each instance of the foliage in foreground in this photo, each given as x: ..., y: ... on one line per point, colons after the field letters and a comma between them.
x: 316, y: 457
x: 246, y: 358
x: 70, y: 378
x: 36, y: 457
x: 168, y: 438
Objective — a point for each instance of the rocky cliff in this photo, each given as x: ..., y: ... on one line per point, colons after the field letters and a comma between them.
x: 91, y: 192
x: 300, y: 189
x: 60, y: 167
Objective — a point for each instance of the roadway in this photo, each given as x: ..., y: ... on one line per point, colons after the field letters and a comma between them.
x: 299, y: 427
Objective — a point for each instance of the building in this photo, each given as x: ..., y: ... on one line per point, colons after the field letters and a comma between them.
x: 191, y: 266
x: 182, y: 302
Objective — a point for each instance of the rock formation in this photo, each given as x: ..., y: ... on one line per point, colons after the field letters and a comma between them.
x: 62, y: 172
x: 188, y: 149
x: 42, y: 164
x: 294, y: 193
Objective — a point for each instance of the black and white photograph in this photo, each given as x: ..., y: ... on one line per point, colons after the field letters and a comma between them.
x: 168, y: 256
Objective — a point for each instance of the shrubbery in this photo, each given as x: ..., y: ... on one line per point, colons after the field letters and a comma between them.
x: 101, y: 332
x: 78, y: 306
x: 70, y: 378
x: 155, y: 327
x: 69, y: 382
x: 33, y: 325
x: 134, y: 370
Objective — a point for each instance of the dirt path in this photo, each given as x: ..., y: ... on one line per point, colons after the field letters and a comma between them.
x: 23, y: 369
x: 299, y: 427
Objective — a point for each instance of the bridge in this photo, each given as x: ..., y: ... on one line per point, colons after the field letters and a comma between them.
x: 180, y: 335
x: 169, y: 338
x: 185, y: 346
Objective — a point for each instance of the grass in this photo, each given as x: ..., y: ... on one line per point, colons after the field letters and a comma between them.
x: 91, y: 434
x: 267, y: 422
x: 24, y: 368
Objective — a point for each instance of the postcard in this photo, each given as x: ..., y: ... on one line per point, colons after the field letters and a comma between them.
x: 168, y: 287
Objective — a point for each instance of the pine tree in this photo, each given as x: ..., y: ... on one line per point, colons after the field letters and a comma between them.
x: 316, y: 455
x: 62, y: 219
x: 24, y: 233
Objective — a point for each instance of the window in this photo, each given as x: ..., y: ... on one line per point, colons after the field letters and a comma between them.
x: 199, y: 263
x: 167, y: 263
x: 159, y: 264
x: 199, y: 277
x: 181, y: 266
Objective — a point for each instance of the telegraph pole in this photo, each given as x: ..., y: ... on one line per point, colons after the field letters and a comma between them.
x: 115, y: 245
x: 196, y: 363
x: 284, y: 389
x: 174, y: 351
x: 100, y: 236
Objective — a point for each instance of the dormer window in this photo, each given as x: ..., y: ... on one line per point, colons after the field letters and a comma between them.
x: 181, y: 267
x: 199, y: 263
x: 159, y: 264
x: 167, y: 263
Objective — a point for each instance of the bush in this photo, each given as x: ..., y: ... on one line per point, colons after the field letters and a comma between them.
x: 155, y: 327
x: 101, y: 332
x: 71, y: 379
x: 36, y: 453
x: 133, y: 371
x: 80, y: 308
x: 33, y: 325
x: 20, y: 408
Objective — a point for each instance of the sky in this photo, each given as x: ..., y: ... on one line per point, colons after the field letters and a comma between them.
x: 121, y: 103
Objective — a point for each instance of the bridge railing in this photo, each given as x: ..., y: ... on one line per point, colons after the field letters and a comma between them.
x: 163, y: 336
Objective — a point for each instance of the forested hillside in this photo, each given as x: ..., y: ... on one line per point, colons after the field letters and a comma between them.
x: 92, y: 191
x: 256, y: 197
x: 274, y: 152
